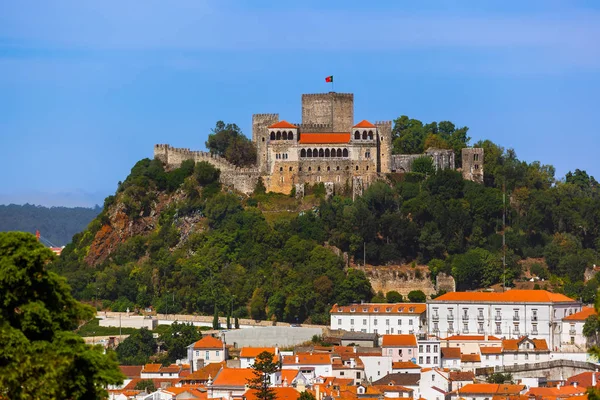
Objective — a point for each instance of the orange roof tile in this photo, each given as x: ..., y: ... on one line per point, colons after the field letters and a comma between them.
x: 307, y: 359
x: 513, y: 344
x: 253, y: 352
x: 461, y: 376
x: 510, y: 296
x: 405, y: 365
x: 557, y: 391
x: 490, y: 388
x: 381, y: 308
x: 208, y: 342
x: 581, y: 315
x: 450, y: 352
x: 289, y: 374
x: 364, y: 124
x: 584, y: 379
x: 282, y: 393
x: 490, y: 349
x: 233, y: 377
x: 470, y: 358
x: 399, y: 340
x: 324, y: 138
x: 131, y: 371
x: 210, y: 370
x: 151, y: 368
x: 283, y: 124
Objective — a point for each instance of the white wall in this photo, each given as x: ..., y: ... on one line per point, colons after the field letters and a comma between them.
x: 383, y: 324
x: 376, y: 367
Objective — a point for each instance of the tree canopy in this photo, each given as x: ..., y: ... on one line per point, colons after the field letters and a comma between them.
x: 41, y: 357
x: 227, y: 140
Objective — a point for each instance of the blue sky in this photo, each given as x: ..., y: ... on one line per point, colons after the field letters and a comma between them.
x: 88, y: 87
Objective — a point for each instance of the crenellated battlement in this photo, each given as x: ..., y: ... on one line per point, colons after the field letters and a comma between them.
x: 269, y: 116
x: 383, y: 123
x: 312, y: 128
x: 328, y: 95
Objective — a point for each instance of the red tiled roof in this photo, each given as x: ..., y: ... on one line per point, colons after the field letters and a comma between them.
x: 381, y: 308
x: 399, y: 340
x: 324, y: 138
x: 253, y: 352
x: 307, y: 359
x: 581, y: 315
x: 151, y: 368
x: 560, y: 392
x: 281, y: 393
x: 490, y: 388
x: 470, y: 358
x: 208, y: 342
x: 364, y: 124
x: 450, y: 352
x: 405, y: 365
x: 210, y: 370
x: 461, y: 376
x: 513, y: 344
x: 490, y: 349
x: 584, y: 379
x: 283, y: 124
x: 131, y: 371
x: 510, y: 296
x: 234, y: 377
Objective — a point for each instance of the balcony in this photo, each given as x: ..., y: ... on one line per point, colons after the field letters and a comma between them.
x: 450, y: 317
x: 480, y: 317
x: 435, y: 317
x: 498, y: 317
x: 515, y: 317
x: 465, y: 317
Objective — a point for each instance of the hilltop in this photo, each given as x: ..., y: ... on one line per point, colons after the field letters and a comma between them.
x: 177, y: 238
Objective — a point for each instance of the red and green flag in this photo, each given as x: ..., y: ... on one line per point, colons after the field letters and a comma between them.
x: 329, y: 79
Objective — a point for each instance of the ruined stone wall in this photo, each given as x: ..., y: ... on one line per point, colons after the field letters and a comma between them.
x: 442, y: 158
x: 241, y: 179
x: 317, y: 109
x: 472, y: 164
x: 384, y: 131
x: 400, y: 278
x: 403, y: 162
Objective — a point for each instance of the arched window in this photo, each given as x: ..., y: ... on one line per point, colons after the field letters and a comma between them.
x: 345, y: 153
x: 370, y: 135
x: 290, y: 169
x: 278, y: 135
x: 327, y: 153
x: 291, y: 136
x: 310, y: 168
x: 328, y: 168
x: 364, y: 135
x: 272, y: 135
x: 280, y: 169
x: 318, y: 168
x: 337, y: 168
x: 357, y: 135
x: 339, y: 152
x: 315, y: 153
x: 357, y: 167
x: 321, y: 153
x: 303, y: 153
x: 309, y: 153
x: 367, y: 167
x: 284, y: 135
x: 332, y: 152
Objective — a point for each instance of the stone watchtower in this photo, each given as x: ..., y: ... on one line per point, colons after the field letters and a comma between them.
x: 333, y: 109
x: 260, y: 137
x: 472, y: 164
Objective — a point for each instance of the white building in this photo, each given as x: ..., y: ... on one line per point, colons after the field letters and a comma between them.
x: 572, y: 328
x: 376, y: 367
x: 429, y: 353
x: 510, y: 314
x: 205, y: 351
x: 524, y: 351
x: 248, y: 355
x: 311, y: 365
x: 434, y: 384
x: 491, y: 356
x: 380, y: 318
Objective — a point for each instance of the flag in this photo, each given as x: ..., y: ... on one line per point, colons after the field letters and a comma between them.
x: 329, y: 79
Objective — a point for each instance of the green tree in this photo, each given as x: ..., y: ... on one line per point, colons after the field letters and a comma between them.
x: 41, y: 358
x: 306, y: 396
x: 146, y: 385
x: 215, y: 323
x: 499, y: 377
x: 417, y: 296
x: 591, y: 329
x: 258, y: 305
x: 423, y: 165
x: 177, y: 338
x: 227, y: 140
x: 393, y: 297
x: 137, y: 348
x: 263, y: 367
x: 205, y: 173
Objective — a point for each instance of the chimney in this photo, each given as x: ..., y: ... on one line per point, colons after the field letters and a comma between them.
x: 297, y: 360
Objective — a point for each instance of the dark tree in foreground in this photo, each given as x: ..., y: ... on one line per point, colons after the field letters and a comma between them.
x: 41, y: 357
x: 137, y: 348
x: 263, y: 367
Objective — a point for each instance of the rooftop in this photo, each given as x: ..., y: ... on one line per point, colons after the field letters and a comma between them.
x: 364, y: 124
x: 381, y: 308
x: 581, y: 315
x: 324, y: 138
x: 399, y: 340
x: 283, y: 124
x: 510, y: 296
x: 208, y: 342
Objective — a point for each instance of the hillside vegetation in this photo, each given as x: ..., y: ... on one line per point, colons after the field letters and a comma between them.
x: 56, y: 224
x: 177, y: 241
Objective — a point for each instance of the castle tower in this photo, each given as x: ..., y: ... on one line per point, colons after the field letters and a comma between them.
x: 335, y: 109
x: 472, y: 164
x: 384, y: 131
x: 260, y: 137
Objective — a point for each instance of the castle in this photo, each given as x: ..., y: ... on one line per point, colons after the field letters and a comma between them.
x: 328, y: 147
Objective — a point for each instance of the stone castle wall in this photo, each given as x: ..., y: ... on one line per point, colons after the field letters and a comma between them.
x: 317, y: 109
x: 472, y: 164
x: 241, y: 179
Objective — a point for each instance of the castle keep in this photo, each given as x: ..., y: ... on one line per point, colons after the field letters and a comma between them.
x: 327, y: 146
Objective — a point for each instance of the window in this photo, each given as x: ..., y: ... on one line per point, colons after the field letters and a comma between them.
x: 387, y: 321
x: 498, y: 328
x: 339, y: 321
x: 421, y: 360
x: 410, y: 321
x: 399, y: 352
x: 206, y: 355
x: 357, y: 167
x: 217, y: 353
x: 197, y: 353
x: 399, y: 322
x: 527, y: 356
x: 497, y: 357
x: 375, y: 322
x: 356, y: 135
x: 435, y: 360
x: 428, y: 360
x: 290, y: 169
x: 318, y: 168
x: 280, y: 169
x: 352, y: 321
x: 428, y: 348
x: 475, y: 157
x: 487, y: 357
x: 374, y: 330
x: 341, y: 373
x: 364, y: 321
x: 435, y: 348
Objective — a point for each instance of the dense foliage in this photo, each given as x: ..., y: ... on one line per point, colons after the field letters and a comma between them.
x: 227, y: 140
x: 56, y: 224
x: 240, y: 264
x: 41, y: 358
